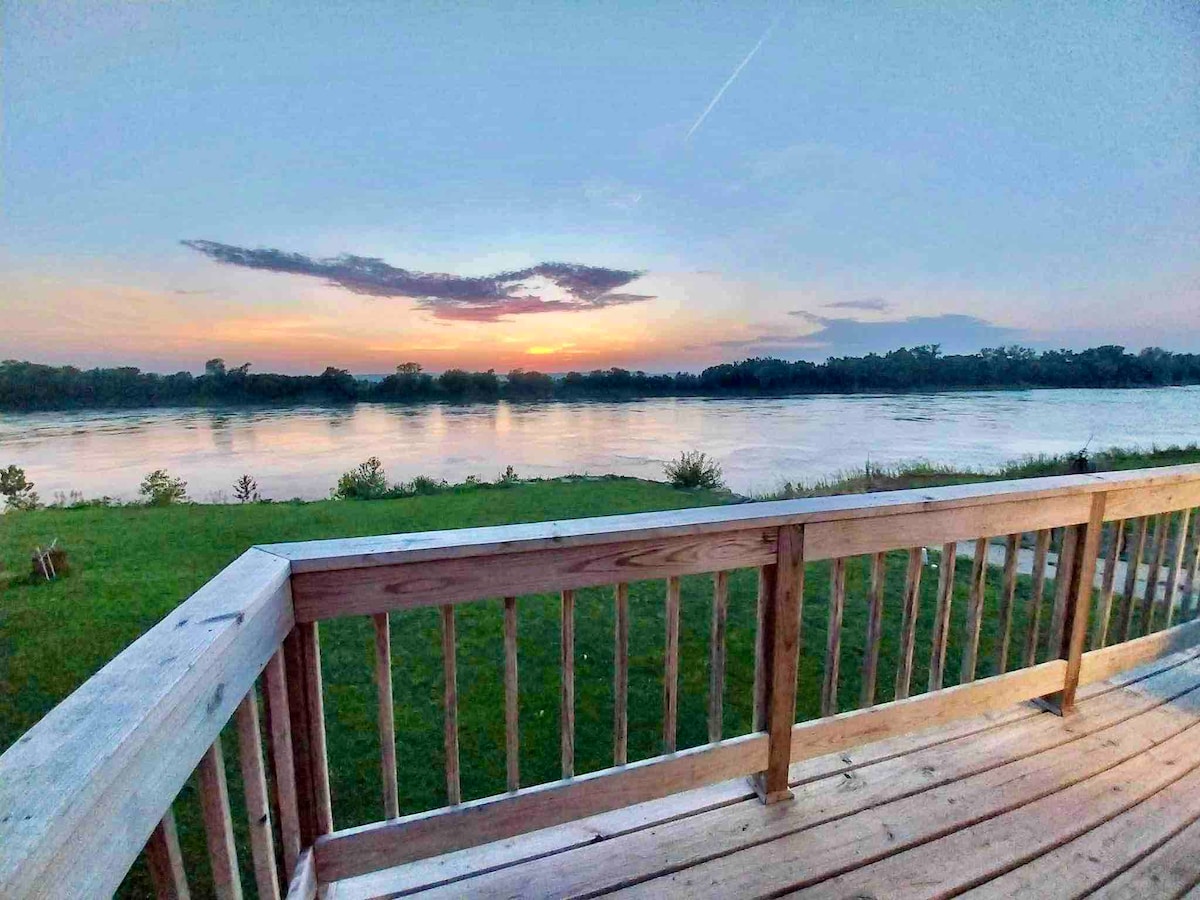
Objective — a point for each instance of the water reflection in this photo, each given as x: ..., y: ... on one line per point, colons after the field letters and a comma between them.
x: 300, y: 451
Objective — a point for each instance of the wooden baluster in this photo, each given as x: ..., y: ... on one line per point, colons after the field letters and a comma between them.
x: 1008, y: 595
x: 833, y: 644
x: 1082, y: 580
x: 621, y: 675
x: 1107, y: 582
x: 941, y: 618
x: 1191, y: 584
x: 218, y: 826
x: 1062, y: 588
x: 874, y: 630
x: 1162, y: 525
x: 671, y: 667
x: 1133, y: 562
x: 716, y: 655
x: 567, y: 717
x: 165, y: 861
x: 766, y: 582
x: 310, y: 639
x: 512, y: 741
x: 254, y: 786
x: 908, y: 622
x: 279, y: 721
x: 974, y: 611
x: 781, y: 647
x: 386, y: 714
x: 1041, y: 550
x: 450, y: 705
x: 1171, y: 594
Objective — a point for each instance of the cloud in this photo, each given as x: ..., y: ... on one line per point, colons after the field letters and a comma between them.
x: 872, y: 304
x: 547, y: 287
x: 850, y: 337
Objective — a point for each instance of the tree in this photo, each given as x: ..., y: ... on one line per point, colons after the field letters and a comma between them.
x: 17, y: 490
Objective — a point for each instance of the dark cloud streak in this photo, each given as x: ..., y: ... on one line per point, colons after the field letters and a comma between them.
x: 453, y: 297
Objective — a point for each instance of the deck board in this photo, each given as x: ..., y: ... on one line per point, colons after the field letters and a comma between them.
x: 1004, y: 804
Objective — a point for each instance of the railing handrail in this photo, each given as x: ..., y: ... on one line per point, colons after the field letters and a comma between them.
x: 363, y: 552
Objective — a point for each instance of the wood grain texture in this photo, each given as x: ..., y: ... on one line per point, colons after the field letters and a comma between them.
x: 1108, y: 584
x: 1033, y: 611
x: 1171, y: 487
x: 165, y: 861
x: 908, y: 623
x: 1133, y: 560
x: 279, y: 723
x: 512, y: 705
x: 859, y: 726
x: 825, y: 540
x: 974, y: 611
x: 941, y: 618
x: 874, y: 635
x: 368, y: 848
x: 325, y: 595
x: 1097, y: 665
x: 1175, y: 567
x: 127, y: 740
x: 303, y: 884
x: 218, y: 825
x: 258, y: 808
x: 567, y: 694
x: 671, y: 667
x: 1083, y: 578
x: 1062, y: 590
x: 314, y: 698
x: 386, y: 714
x: 766, y: 585
x: 833, y: 640
x: 1008, y: 595
x: 781, y: 644
x: 621, y: 674
x: 1162, y: 525
x: 450, y: 705
x: 302, y: 755
x: 716, y: 655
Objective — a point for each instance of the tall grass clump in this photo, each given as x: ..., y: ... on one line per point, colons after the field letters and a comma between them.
x: 693, y: 469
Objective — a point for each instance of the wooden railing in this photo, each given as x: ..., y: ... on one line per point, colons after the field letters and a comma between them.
x: 91, y: 786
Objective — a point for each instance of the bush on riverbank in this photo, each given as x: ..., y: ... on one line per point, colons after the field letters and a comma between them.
x: 923, y: 474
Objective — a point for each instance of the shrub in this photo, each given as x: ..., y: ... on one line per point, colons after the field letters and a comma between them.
x: 17, y: 490
x: 508, y: 476
x: 245, y: 490
x: 423, y: 484
x: 159, y: 488
x: 366, y: 481
x: 693, y: 469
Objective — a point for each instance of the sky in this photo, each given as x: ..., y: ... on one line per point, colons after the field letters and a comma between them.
x: 562, y: 186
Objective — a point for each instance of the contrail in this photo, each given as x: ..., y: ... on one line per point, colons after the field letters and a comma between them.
x: 749, y: 56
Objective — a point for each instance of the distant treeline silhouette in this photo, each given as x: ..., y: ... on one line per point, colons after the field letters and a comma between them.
x: 27, y: 386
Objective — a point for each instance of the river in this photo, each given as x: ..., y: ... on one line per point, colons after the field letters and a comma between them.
x: 760, y: 443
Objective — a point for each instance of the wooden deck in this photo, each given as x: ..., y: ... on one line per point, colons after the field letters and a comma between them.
x: 1105, y: 802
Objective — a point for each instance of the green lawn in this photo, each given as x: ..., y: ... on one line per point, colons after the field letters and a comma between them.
x: 132, y: 565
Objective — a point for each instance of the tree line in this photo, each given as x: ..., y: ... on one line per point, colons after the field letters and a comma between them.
x: 31, y: 386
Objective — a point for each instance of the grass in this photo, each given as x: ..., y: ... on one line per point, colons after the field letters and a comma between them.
x: 133, y: 564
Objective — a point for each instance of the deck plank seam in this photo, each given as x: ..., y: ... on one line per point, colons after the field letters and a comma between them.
x: 701, y: 860
x: 938, y: 834
x: 1098, y: 690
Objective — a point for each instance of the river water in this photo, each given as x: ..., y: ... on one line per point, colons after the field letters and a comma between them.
x: 760, y: 443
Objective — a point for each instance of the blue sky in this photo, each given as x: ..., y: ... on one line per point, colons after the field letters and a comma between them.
x: 982, y: 173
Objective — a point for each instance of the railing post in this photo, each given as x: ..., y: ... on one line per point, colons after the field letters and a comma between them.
x: 780, y: 647
x: 1079, y: 604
